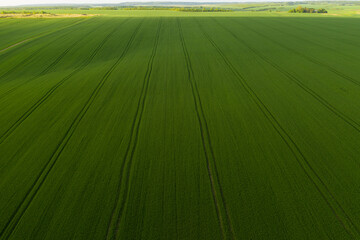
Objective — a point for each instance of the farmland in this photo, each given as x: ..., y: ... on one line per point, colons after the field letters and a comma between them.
x: 173, y: 125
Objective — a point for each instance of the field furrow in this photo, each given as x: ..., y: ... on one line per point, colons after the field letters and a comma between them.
x: 299, y: 155
x: 122, y: 192
x: 227, y: 230
x: 37, y: 51
x: 9, y: 227
x: 293, y: 78
x: 53, y: 88
x: 42, y: 34
x: 313, y: 59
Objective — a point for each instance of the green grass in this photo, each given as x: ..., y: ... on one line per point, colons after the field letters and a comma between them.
x: 175, y: 126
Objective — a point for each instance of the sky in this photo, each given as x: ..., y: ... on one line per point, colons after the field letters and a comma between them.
x: 28, y: 2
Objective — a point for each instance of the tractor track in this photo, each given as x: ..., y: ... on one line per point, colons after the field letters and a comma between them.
x: 293, y: 147
x: 120, y: 202
x: 298, y: 82
x: 34, y: 189
x: 325, y: 27
x: 225, y: 224
x: 36, y: 52
x: 48, y: 68
x: 350, y: 57
x: 40, y: 35
x: 24, y: 116
x: 311, y: 59
x: 16, y: 44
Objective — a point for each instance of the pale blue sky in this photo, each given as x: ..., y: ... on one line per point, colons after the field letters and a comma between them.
x: 27, y: 2
x: 23, y: 2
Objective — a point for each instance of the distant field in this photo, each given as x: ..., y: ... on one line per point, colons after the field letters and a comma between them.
x: 159, y: 125
x: 338, y: 8
x: 348, y: 8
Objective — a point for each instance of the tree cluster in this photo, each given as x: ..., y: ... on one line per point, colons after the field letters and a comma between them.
x: 300, y: 9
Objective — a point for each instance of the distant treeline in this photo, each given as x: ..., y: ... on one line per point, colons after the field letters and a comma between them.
x: 300, y: 9
x: 23, y: 12
x: 103, y: 8
x: 183, y: 9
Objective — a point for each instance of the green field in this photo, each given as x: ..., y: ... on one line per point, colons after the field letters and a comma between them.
x: 169, y: 125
